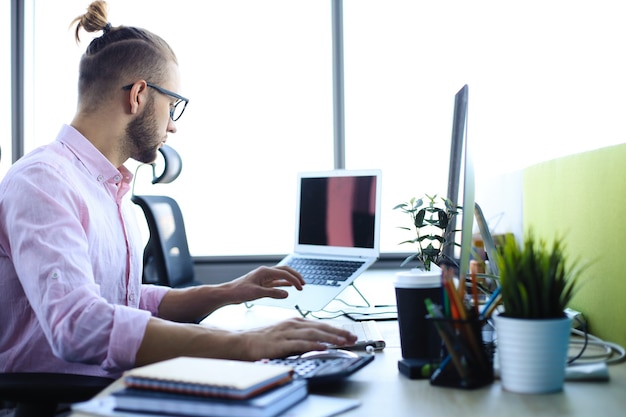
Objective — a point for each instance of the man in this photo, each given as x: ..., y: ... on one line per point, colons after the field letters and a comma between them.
x: 71, y: 298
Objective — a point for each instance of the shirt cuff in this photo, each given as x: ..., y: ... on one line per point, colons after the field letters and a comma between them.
x: 151, y: 296
x: 129, y: 327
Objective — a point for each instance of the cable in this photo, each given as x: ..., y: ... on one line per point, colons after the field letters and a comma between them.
x: 605, y: 351
x: 610, y: 348
x: 585, y: 342
x: 302, y: 312
x: 351, y: 314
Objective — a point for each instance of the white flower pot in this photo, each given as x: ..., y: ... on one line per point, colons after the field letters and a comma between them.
x: 532, y: 353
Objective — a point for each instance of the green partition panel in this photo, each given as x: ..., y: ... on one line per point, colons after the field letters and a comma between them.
x: 583, y: 198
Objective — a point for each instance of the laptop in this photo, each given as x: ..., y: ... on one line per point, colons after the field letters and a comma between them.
x: 337, y: 235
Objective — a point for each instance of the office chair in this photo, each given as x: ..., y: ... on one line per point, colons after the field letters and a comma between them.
x: 39, y: 394
x: 166, y: 258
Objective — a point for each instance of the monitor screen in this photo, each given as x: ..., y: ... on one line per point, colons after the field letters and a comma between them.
x: 461, y: 184
x: 338, y: 210
x: 457, y: 152
x: 468, y: 204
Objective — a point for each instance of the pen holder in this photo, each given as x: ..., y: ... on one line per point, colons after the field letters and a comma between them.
x: 466, y: 359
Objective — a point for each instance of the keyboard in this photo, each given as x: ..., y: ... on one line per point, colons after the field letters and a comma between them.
x: 322, y: 370
x: 368, y: 334
x: 324, y: 271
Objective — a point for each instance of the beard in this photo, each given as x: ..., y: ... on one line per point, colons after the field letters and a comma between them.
x: 142, y: 136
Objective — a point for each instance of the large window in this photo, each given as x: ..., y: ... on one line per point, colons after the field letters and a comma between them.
x: 259, y: 78
x: 546, y: 79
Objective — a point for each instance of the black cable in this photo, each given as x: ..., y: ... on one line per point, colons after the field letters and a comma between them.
x: 585, y: 343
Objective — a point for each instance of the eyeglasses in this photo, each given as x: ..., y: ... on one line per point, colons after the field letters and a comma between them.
x: 176, y: 110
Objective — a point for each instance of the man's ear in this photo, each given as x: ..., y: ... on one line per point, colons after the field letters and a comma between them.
x: 137, y: 95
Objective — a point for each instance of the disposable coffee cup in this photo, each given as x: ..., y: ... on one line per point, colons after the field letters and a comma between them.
x: 418, y: 337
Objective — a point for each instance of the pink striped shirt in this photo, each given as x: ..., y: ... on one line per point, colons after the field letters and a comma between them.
x: 71, y: 298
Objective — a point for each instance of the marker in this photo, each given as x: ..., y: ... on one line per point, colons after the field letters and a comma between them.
x: 433, y: 310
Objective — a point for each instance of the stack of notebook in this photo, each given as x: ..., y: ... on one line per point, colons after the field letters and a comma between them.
x: 209, y: 387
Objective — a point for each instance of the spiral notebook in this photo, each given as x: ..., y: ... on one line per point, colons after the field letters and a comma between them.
x: 209, y: 377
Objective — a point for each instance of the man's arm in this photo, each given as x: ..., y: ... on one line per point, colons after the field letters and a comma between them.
x: 164, y: 340
x: 166, y: 337
x: 193, y: 303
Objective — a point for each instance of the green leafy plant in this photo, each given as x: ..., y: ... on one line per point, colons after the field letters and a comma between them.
x: 431, y: 224
x: 538, y: 280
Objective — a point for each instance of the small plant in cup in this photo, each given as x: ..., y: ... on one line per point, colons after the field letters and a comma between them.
x: 431, y: 223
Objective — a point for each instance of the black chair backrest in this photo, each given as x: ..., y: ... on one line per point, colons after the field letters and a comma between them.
x: 167, y: 260
x: 173, y: 164
x: 166, y: 257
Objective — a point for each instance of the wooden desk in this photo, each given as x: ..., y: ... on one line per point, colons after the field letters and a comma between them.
x: 385, y: 392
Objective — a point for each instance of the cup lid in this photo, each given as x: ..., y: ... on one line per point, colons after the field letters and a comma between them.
x: 418, y: 278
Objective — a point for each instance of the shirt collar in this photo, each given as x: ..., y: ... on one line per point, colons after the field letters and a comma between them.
x: 96, y: 163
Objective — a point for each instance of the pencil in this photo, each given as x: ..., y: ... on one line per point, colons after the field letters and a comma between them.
x: 474, y: 292
x: 444, y: 292
x: 455, y: 301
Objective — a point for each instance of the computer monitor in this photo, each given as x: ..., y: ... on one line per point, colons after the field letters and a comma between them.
x: 457, y: 153
x: 461, y: 190
x: 468, y: 203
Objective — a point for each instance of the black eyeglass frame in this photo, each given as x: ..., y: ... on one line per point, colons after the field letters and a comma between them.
x: 167, y: 92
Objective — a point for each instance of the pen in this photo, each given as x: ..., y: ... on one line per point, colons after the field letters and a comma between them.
x: 451, y: 352
x: 441, y: 367
x: 489, y: 311
x: 465, y: 327
x: 490, y: 302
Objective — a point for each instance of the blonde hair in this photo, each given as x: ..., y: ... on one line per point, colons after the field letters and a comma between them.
x: 120, y: 56
x: 94, y: 20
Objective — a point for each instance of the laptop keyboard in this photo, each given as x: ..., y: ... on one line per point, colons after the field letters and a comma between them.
x: 324, y: 271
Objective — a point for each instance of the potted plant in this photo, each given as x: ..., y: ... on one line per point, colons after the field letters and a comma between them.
x: 537, y: 281
x: 431, y: 224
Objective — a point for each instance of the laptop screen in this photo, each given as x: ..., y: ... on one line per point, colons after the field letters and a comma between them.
x: 339, y: 209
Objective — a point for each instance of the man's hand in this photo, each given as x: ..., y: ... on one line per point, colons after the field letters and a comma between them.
x: 165, y: 339
x: 264, y: 282
x: 293, y: 336
x: 193, y: 303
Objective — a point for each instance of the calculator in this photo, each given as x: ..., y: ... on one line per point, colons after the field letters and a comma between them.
x: 322, y: 367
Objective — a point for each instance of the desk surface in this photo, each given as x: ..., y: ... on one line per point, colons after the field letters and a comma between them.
x: 384, y: 391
